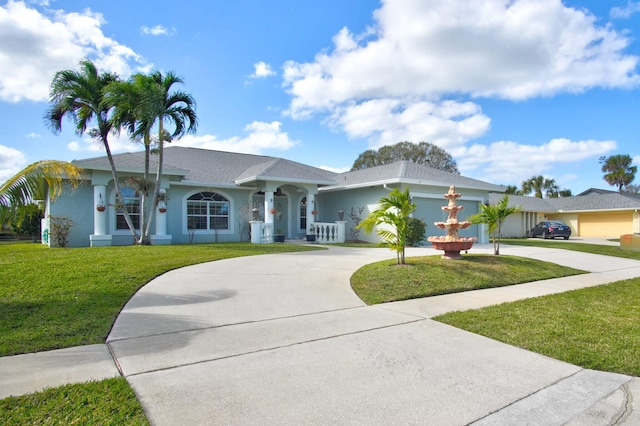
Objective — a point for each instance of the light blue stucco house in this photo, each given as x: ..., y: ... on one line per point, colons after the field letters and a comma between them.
x: 223, y: 196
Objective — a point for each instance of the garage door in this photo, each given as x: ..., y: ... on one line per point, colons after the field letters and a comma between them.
x: 611, y: 224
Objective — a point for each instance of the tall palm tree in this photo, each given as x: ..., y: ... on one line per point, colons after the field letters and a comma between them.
x: 394, y: 211
x: 140, y: 104
x: 618, y: 170
x: 80, y: 96
x: 175, y: 108
x: 494, y: 216
x: 35, y: 182
x: 128, y: 99
x: 539, y: 185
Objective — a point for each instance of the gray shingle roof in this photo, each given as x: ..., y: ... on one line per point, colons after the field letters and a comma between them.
x: 228, y: 168
x: 611, y: 201
x: 579, y: 203
x: 409, y: 172
x: 215, y: 167
x: 132, y: 162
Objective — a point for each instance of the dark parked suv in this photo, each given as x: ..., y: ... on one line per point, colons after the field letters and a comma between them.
x: 551, y: 229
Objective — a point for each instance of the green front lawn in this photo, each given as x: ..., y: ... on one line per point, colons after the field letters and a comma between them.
x: 58, y: 298
x: 107, y: 402
x: 431, y: 275
x: 596, y: 327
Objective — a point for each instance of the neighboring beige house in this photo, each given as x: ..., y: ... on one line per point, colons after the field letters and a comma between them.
x: 592, y: 213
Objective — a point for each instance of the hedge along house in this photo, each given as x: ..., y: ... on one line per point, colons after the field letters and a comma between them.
x: 216, y: 196
x: 592, y: 213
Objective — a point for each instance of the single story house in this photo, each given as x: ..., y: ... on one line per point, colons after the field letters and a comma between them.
x: 592, y: 213
x: 220, y: 196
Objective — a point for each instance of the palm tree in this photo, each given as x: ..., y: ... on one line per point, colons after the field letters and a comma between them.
x: 394, y: 211
x: 512, y: 189
x: 494, y: 216
x: 177, y: 108
x: 33, y: 183
x: 538, y: 185
x: 128, y: 99
x: 140, y: 104
x: 80, y: 95
x: 618, y: 170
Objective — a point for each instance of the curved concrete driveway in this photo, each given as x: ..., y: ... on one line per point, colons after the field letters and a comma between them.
x: 282, y: 339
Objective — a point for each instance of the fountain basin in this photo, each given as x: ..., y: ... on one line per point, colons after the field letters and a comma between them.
x: 451, y: 249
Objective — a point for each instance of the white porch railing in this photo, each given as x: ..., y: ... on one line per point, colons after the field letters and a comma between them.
x: 327, y: 233
x: 266, y: 233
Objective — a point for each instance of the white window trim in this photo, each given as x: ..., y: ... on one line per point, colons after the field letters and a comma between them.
x: 185, y: 217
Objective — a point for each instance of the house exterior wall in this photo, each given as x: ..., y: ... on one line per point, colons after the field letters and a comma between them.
x: 78, y: 206
x: 239, y: 213
x: 428, y: 199
x: 366, y: 198
x: 605, y: 224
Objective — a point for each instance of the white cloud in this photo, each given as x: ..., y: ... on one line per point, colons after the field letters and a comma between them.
x: 261, y: 136
x: 34, y: 135
x: 626, y: 11
x: 262, y: 70
x: 157, y: 30
x: 117, y: 144
x: 35, y: 44
x: 428, y: 49
x: 511, y: 163
x: 11, y: 162
x: 447, y: 124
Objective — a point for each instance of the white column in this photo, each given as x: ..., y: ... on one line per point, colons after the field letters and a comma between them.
x: 100, y: 236
x: 161, y: 237
x: 311, y: 206
x: 161, y: 222
x: 268, y: 206
x: 99, y: 217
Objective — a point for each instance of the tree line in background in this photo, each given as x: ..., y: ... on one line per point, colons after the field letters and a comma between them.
x: 618, y: 171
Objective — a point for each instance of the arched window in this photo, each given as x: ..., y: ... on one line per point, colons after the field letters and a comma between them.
x: 131, y: 200
x: 207, y: 211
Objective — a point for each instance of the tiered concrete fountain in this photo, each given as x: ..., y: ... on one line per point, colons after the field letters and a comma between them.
x: 452, y: 243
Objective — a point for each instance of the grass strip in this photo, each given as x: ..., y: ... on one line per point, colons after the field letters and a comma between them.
x: 596, y: 328
x: 385, y: 281
x: 105, y: 402
x: 605, y: 250
x: 58, y: 298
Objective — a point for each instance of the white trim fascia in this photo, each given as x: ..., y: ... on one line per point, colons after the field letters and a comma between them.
x: 381, y: 183
x: 206, y: 184
x: 292, y: 181
x: 620, y: 209
x: 441, y: 197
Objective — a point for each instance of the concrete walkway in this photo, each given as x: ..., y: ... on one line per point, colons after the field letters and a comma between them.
x: 282, y: 339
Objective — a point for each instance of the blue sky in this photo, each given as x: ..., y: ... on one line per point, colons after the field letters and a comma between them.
x: 511, y: 89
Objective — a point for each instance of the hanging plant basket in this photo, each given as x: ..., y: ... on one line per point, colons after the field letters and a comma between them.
x: 100, y: 208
